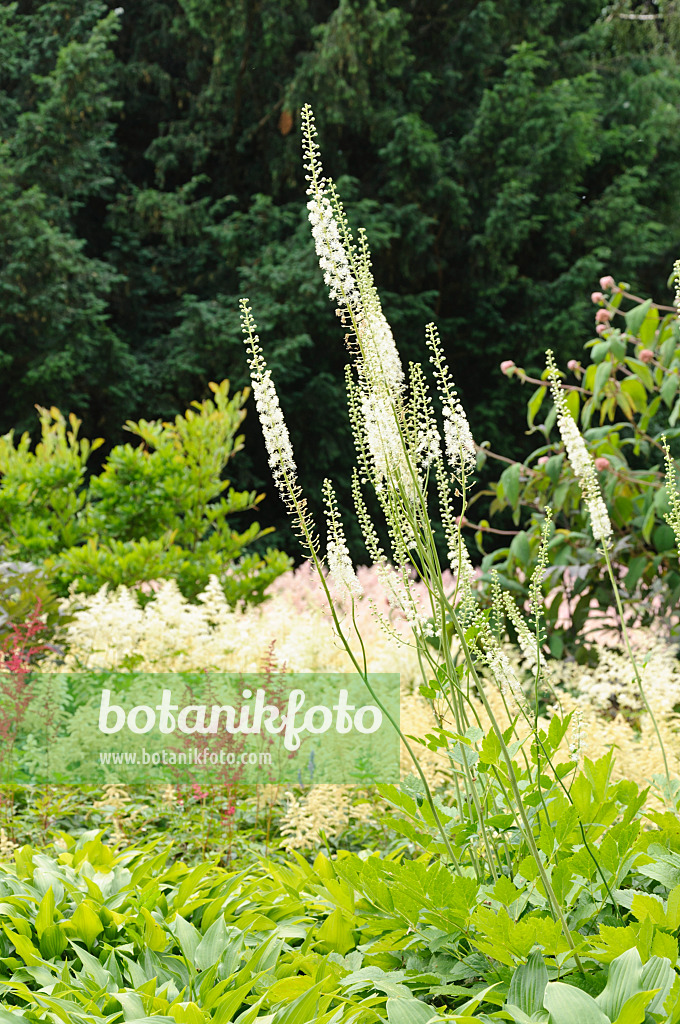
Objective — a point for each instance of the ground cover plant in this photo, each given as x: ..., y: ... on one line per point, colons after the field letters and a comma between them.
x: 513, y: 874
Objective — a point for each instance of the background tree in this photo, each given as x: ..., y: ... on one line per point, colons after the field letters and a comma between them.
x: 500, y: 158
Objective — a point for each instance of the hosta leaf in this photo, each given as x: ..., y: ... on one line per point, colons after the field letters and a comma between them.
x: 567, y: 1004
x: 409, y: 1011
x: 528, y: 984
x: 211, y: 947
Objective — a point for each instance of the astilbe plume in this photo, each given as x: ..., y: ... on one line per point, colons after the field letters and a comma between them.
x: 17, y: 650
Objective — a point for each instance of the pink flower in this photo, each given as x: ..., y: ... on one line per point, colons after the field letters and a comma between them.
x: 507, y: 366
x: 573, y: 365
x: 601, y: 463
x: 606, y: 283
x: 646, y: 355
x: 543, y: 459
x: 603, y: 316
x: 601, y: 328
x: 597, y: 297
x: 228, y: 811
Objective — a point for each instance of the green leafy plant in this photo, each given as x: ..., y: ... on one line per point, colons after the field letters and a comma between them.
x: 626, y: 400
x: 158, y: 510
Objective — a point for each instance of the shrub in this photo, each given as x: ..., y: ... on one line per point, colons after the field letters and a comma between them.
x: 158, y: 510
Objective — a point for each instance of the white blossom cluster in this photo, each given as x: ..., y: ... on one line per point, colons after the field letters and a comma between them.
x: 274, y: 429
x: 383, y: 438
x: 337, y: 553
x: 580, y: 459
x: 460, y: 446
x: 337, y: 273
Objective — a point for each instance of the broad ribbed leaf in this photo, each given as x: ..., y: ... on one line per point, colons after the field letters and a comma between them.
x: 567, y: 1005
x: 528, y: 984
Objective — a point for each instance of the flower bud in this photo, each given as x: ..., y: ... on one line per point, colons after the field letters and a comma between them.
x: 603, y: 316
x: 601, y: 463
x: 573, y: 365
x: 507, y: 366
x: 543, y: 459
x: 646, y: 355
x: 601, y: 328
x: 596, y: 297
x: 607, y: 283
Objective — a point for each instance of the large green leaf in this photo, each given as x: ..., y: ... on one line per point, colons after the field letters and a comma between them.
x: 409, y: 1011
x: 569, y: 1005
x: 528, y: 984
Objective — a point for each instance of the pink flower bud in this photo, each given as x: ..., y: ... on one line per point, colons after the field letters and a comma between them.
x: 646, y: 355
x: 601, y: 328
x: 573, y: 365
x: 507, y: 366
x: 601, y: 463
x: 597, y: 297
x: 603, y: 316
x: 606, y: 283
x: 543, y: 459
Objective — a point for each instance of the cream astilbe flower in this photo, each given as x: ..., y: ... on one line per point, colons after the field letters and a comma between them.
x: 580, y: 458
x: 460, y: 446
x: 339, y: 563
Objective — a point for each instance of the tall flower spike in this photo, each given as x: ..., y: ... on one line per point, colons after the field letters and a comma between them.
x: 460, y: 446
x: 275, y: 431
x: 339, y: 563
x: 334, y: 253
x: 580, y: 458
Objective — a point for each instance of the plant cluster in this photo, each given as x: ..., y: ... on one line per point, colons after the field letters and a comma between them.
x: 627, y: 404
x: 158, y: 509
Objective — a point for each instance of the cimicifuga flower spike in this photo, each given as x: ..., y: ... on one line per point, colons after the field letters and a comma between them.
x: 337, y: 553
x: 275, y: 431
x: 579, y: 457
x: 527, y: 640
x: 460, y: 446
x: 672, y: 518
x: 334, y: 253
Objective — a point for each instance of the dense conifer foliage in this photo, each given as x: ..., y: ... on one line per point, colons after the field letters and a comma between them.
x: 502, y: 156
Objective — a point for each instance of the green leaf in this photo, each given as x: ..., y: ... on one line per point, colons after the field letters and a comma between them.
x: 510, y: 480
x: 210, y: 948
x: 573, y: 404
x: 668, y: 388
x: 567, y: 1005
x: 409, y: 1011
x: 636, y: 392
x: 635, y: 317
x: 602, y: 375
x: 600, y: 351
x: 528, y: 984
x: 336, y: 934
x: 649, y: 326
x: 520, y: 548
x: 534, y: 404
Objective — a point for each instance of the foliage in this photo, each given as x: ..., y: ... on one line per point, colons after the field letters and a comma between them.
x: 499, y: 160
x: 155, y: 510
x: 370, y: 937
x: 626, y: 399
